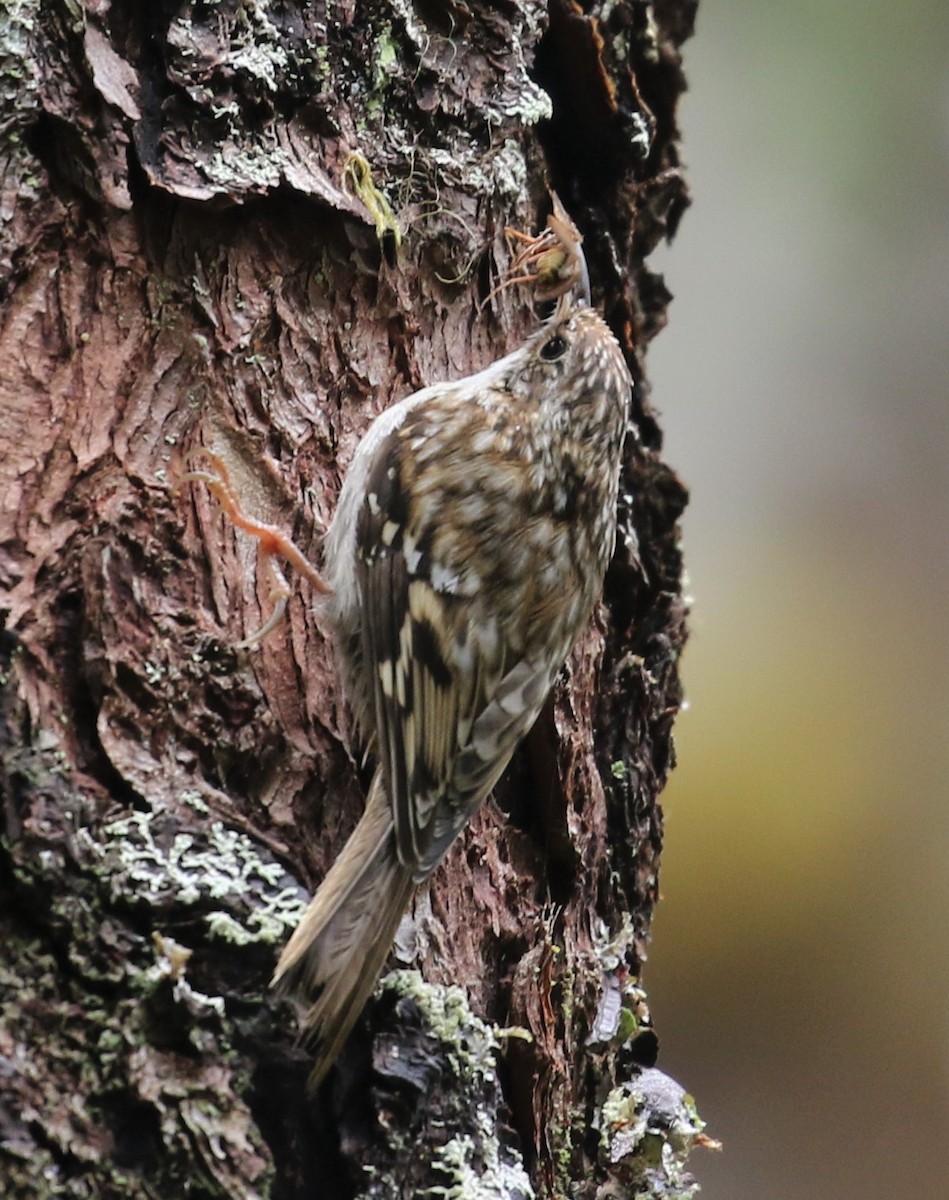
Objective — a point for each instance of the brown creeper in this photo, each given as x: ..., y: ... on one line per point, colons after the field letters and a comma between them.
x: 468, y: 549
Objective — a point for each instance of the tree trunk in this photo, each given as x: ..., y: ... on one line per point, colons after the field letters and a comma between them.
x: 249, y: 227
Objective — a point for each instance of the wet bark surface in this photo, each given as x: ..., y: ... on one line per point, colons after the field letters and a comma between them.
x: 193, y: 257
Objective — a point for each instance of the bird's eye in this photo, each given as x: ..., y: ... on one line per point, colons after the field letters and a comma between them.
x: 553, y: 348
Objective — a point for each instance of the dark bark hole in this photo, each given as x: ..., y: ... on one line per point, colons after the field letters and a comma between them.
x: 584, y: 141
x: 389, y: 248
x: 437, y: 17
x: 296, y: 1127
x: 483, y: 280
x: 82, y: 692
x: 518, y: 1070
x: 543, y: 808
x: 65, y: 158
x: 136, y: 1132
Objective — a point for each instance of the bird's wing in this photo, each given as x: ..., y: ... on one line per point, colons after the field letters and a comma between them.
x: 449, y: 708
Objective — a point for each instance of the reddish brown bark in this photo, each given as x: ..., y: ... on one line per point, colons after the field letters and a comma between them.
x: 182, y: 265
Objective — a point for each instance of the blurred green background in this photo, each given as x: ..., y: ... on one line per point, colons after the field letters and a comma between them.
x: 799, y: 972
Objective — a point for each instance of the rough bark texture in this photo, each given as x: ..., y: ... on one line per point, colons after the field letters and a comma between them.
x: 190, y: 257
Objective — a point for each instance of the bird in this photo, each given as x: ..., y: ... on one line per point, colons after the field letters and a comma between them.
x: 467, y: 552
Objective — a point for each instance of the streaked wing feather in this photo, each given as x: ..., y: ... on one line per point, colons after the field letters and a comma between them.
x: 418, y: 684
x: 385, y: 597
x: 416, y: 696
x: 495, y: 734
x: 449, y: 710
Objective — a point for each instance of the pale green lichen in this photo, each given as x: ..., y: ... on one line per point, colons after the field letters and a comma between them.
x: 320, y: 58
x: 191, y: 869
x: 476, y: 1172
x: 68, y: 1103
x: 472, y: 1043
x: 521, y: 99
x: 261, y: 57
x: 108, y: 1042
x: 507, y: 169
x: 249, y: 44
x: 385, y: 58
x: 191, y: 796
x: 475, y: 1163
x: 648, y: 1127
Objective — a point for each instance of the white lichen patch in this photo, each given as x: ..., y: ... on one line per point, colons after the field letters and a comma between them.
x: 413, y: 27
x: 508, y: 169
x: 528, y: 105
x: 622, y: 1011
x: 265, y: 60
x: 245, y: 41
x: 23, y: 178
x: 246, y: 162
x: 19, y: 75
x: 467, y: 166
x: 193, y: 798
x: 521, y: 99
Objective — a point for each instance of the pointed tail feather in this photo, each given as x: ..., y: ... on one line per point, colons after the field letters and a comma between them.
x: 335, y: 955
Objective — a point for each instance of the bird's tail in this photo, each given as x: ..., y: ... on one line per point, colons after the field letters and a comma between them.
x: 336, y: 953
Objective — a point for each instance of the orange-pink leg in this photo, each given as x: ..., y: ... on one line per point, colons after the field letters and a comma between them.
x: 273, y: 542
